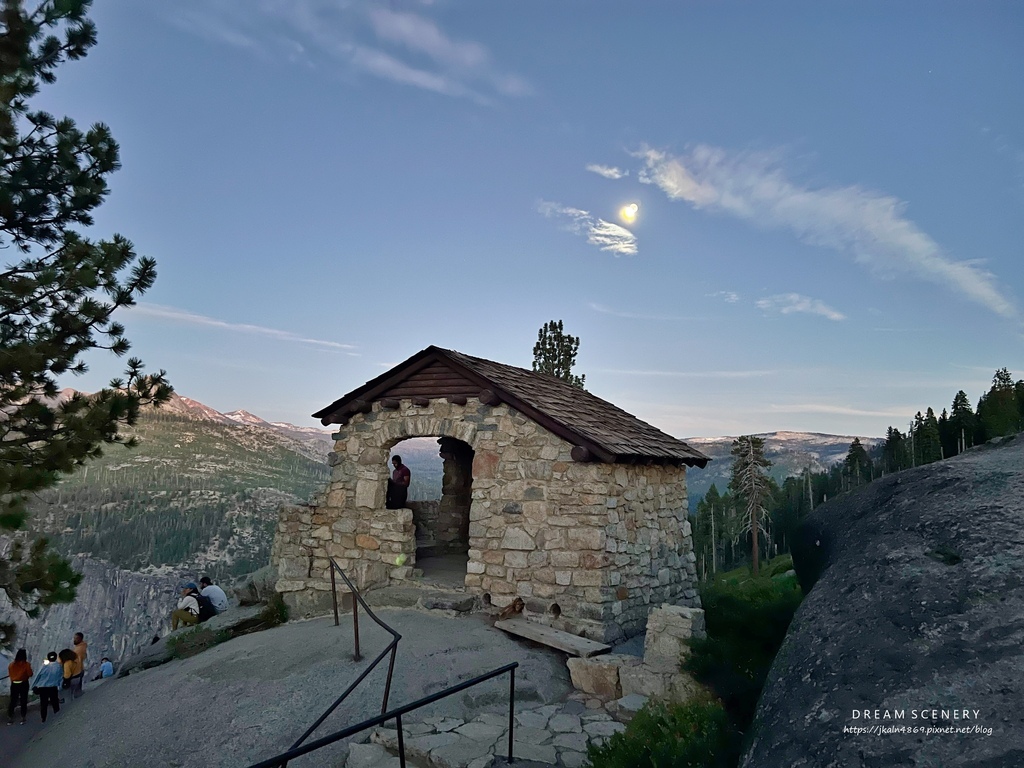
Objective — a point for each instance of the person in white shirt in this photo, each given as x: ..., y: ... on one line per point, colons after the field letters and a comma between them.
x: 215, y: 593
x: 187, y: 612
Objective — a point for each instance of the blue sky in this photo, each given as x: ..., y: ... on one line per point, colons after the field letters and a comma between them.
x: 831, y: 198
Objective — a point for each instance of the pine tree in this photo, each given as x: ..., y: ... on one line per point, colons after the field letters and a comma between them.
x: 962, y: 421
x: 752, y: 486
x: 894, y: 451
x: 857, y: 463
x: 709, y: 528
x: 998, y: 412
x: 58, y: 296
x: 929, y: 443
x: 555, y: 353
x: 916, y: 429
x: 947, y: 436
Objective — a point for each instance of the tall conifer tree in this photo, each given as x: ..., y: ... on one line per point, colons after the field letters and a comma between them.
x: 930, y: 443
x: 857, y: 463
x: 59, y: 292
x: 555, y: 353
x: 752, y: 486
x: 998, y: 412
x: 962, y: 421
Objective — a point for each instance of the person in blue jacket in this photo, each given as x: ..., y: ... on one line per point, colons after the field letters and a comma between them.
x: 47, y: 684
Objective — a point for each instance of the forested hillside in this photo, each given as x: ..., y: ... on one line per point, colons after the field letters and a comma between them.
x: 791, y: 453
x: 197, y: 492
x: 721, y: 530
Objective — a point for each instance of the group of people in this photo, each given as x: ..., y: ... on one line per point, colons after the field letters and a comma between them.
x: 197, y: 604
x: 66, y: 669
x: 63, y: 670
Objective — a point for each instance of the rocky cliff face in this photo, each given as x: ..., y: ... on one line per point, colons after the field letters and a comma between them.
x: 909, y: 647
x: 118, y: 611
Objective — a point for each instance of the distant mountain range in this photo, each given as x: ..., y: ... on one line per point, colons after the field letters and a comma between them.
x: 200, y: 492
x: 790, y: 453
x: 199, y: 495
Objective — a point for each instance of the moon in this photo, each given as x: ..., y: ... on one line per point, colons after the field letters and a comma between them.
x: 629, y: 212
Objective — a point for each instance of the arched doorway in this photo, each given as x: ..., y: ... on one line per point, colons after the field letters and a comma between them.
x: 441, y: 522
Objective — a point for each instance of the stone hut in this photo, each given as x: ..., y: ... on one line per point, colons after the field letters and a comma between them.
x: 550, y: 494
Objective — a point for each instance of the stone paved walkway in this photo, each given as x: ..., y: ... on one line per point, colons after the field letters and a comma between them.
x: 553, y: 734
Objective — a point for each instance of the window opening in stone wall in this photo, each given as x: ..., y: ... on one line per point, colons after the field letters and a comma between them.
x: 440, y: 494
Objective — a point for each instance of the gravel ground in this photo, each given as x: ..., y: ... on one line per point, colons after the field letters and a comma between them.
x: 251, y: 697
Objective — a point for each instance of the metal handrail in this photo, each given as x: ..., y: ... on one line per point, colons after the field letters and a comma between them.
x: 396, y: 714
x: 392, y: 648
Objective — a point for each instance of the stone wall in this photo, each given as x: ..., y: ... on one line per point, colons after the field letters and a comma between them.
x: 588, y: 546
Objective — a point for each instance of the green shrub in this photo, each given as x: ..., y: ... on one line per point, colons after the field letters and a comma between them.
x: 778, y: 566
x: 747, y: 620
x: 696, y: 734
x: 276, y: 610
x: 191, y: 642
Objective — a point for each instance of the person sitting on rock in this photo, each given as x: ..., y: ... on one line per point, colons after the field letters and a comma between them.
x: 215, y: 593
x: 187, y: 612
x: 106, y: 669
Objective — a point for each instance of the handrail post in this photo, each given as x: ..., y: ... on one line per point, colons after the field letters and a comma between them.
x: 334, y: 594
x: 387, y: 684
x: 401, y: 742
x: 355, y: 626
x: 511, y: 710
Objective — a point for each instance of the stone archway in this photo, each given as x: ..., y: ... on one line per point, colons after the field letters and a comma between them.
x: 442, y: 523
x: 448, y: 554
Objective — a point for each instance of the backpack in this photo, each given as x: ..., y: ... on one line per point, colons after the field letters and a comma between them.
x: 206, y: 609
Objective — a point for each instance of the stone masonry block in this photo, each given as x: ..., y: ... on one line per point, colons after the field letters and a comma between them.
x: 644, y: 681
x: 369, y: 493
x: 668, y: 630
x: 599, y: 675
x: 517, y: 538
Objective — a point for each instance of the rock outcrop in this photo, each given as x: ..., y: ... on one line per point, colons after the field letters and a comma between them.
x: 118, y: 611
x: 189, y: 641
x: 913, y: 623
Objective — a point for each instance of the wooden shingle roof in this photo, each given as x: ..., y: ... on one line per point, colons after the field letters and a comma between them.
x: 601, y: 430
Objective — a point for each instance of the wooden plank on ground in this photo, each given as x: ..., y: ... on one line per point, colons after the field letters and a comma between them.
x: 556, y: 638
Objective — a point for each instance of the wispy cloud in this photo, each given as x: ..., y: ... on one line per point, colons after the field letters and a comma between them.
x: 604, y: 234
x: 635, y: 315
x: 359, y: 37
x: 689, y: 374
x: 608, y: 171
x: 867, y: 225
x: 842, y: 410
x: 173, y: 314
x: 730, y: 297
x: 212, y: 28
x: 788, y: 303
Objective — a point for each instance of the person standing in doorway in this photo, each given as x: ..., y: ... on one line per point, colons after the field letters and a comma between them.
x: 398, y: 484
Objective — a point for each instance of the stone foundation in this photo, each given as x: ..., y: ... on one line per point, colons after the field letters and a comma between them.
x: 590, y: 547
x: 659, y: 675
